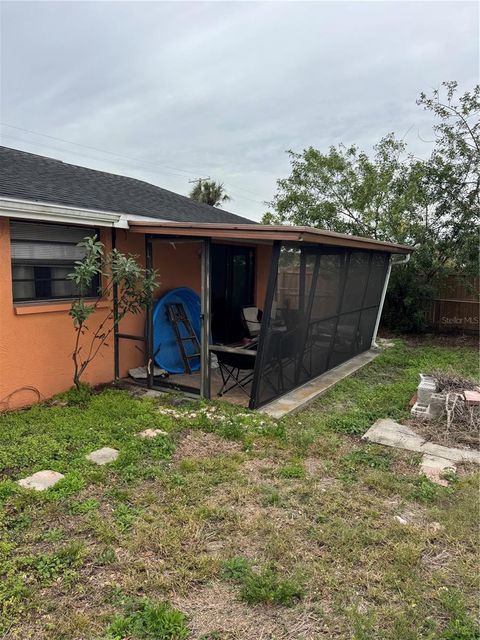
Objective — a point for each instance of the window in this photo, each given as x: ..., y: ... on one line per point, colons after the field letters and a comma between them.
x: 42, y: 257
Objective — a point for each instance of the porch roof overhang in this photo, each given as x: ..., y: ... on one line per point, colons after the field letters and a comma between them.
x: 262, y: 233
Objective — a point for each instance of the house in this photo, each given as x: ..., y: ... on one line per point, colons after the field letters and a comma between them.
x: 319, y: 293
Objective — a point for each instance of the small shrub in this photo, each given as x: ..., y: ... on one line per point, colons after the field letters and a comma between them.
x: 236, y: 568
x: 293, y: 470
x: 268, y: 588
x: 149, y: 621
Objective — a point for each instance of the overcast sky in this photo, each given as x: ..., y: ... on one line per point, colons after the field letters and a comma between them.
x: 188, y: 89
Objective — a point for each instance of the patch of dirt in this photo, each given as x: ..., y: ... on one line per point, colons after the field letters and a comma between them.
x: 259, y: 469
x: 314, y: 467
x: 215, y: 609
x: 198, y: 444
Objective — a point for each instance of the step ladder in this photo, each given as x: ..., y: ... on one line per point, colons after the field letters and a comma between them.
x: 184, y: 333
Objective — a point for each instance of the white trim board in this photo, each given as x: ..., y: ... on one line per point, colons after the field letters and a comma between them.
x: 51, y: 212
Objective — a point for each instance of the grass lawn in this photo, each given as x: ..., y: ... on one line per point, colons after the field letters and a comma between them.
x: 234, y: 526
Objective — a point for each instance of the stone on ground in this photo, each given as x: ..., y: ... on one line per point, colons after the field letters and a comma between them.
x: 434, y: 468
x: 393, y: 434
x: 151, y: 433
x: 41, y: 480
x: 103, y: 456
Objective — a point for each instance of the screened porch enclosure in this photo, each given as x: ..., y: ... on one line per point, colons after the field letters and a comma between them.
x: 321, y: 310
x: 310, y: 300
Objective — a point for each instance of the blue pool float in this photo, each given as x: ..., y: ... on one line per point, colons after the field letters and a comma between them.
x: 164, y: 343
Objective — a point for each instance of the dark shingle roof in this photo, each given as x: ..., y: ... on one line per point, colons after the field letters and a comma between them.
x: 27, y: 176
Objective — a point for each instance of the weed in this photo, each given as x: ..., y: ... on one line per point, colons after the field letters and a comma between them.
x: 49, y: 566
x: 21, y: 522
x: 124, y: 516
x: 106, y: 556
x: 71, y: 484
x: 77, y: 397
x: 271, y: 497
x: 292, y: 470
x: 370, y: 457
x: 53, y: 535
x: 149, y: 621
x: 424, y: 489
x: 450, y: 476
x: 236, y: 568
x: 460, y: 626
x: 8, y: 488
x: 83, y: 507
x: 267, y: 587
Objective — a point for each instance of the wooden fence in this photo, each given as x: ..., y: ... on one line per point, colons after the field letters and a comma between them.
x: 456, y: 307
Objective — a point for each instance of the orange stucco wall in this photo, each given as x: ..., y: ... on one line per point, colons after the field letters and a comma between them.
x: 36, y: 340
x: 263, y: 257
x: 177, y: 264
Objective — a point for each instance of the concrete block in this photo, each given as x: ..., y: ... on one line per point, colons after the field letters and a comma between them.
x: 426, y: 388
x: 41, y: 480
x: 103, y: 456
x: 436, y: 408
x: 420, y: 410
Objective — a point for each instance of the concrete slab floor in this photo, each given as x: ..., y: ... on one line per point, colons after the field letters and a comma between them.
x: 300, y: 397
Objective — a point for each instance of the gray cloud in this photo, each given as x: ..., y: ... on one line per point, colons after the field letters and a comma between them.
x: 223, y: 89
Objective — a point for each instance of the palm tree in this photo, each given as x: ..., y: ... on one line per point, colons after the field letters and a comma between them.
x: 209, y: 192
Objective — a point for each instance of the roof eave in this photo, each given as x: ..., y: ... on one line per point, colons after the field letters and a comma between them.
x: 63, y: 214
x: 266, y: 232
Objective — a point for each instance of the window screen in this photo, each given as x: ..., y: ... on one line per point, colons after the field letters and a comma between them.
x: 323, y: 313
x: 42, y: 257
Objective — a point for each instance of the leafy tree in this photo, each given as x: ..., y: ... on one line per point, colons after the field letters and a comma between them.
x: 430, y: 204
x: 209, y: 192
x: 135, y: 290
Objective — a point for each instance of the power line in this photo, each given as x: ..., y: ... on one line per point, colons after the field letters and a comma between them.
x: 120, y: 155
x: 82, y: 155
x: 85, y: 146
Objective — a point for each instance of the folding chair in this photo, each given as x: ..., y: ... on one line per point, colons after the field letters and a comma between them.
x: 232, y: 361
x: 252, y: 321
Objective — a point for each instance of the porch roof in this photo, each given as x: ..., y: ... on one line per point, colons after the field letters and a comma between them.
x: 269, y: 233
